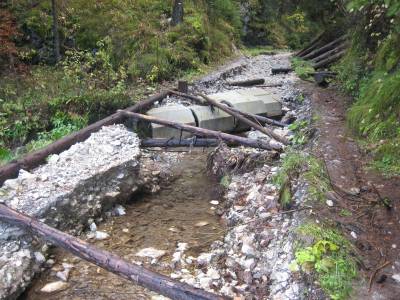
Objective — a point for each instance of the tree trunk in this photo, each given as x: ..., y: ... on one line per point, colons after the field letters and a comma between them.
x: 153, y: 281
x: 191, y: 142
x: 325, y: 48
x: 177, y: 12
x: 328, y: 61
x: 206, y: 132
x: 56, y: 35
x: 330, y: 53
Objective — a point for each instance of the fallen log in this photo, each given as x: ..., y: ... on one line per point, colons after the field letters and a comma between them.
x: 206, y: 132
x: 191, y: 142
x: 256, y: 117
x: 325, y: 48
x: 34, y: 159
x: 313, y: 42
x: 240, y: 117
x: 281, y: 70
x: 330, y: 53
x: 270, y: 85
x: 250, y: 82
x: 320, y: 77
x: 139, y: 275
x: 329, y: 60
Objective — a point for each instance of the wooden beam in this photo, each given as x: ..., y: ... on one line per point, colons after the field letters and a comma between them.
x: 206, y: 132
x: 325, y: 48
x: 326, y: 62
x: 249, y: 82
x: 139, y: 275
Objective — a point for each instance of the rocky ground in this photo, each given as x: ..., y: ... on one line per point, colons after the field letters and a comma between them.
x: 250, y: 255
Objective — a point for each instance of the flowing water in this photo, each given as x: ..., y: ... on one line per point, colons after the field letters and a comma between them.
x: 180, y: 212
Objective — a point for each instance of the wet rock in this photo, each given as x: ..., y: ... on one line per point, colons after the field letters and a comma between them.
x: 151, y: 253
x: 53, y: 287
x: 119, y: 210
x: 39, y: 257
x: 100, y: 235
x: 329, y: 203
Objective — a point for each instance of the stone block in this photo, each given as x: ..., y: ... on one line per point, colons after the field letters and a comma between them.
x: 176, y: 113
x: 217, y: 120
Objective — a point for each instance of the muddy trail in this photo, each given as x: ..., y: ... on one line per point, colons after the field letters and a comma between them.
x: 217, y: 221
x: 373, y: 200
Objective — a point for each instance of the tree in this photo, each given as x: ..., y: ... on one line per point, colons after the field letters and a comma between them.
x: 177, y: 12
x: 56, y: 36
x: 8, y: 33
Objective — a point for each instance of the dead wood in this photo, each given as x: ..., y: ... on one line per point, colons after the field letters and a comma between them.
x: 239, y: 115
x: 191, y: 142
x: 206, y: 132
x: 34, y: 159
x: 326, y: 62
x: 325, y: 48
x: 281, y: 70
x: 307, y: 49
x: 330, y: 53
x: 139, y: 275
x: 249, y: 82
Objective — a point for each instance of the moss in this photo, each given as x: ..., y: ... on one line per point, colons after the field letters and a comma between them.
x: 329, y: 258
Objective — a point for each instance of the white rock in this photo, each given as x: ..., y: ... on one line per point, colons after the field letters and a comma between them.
x: 53, y: 159
x: 126, y: 230
x: 205, y: 282
x: 119, y: 210
x: 63, y: 275
x: 214, y: 202
x: 248, y: 249
x: 201, y: 224
x: 353, y: 234
x: 204, y: 258
x: 151, y: 253
x: 39, y: 257
x: 396, y: 277
x: 101, y: 235
x: 54, y: 287
x: 329, y: 203
x: 93, y: 227
x: 213, y: 274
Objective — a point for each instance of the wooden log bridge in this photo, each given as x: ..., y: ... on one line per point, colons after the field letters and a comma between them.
x: 206, y: 132
x: 139, y: 275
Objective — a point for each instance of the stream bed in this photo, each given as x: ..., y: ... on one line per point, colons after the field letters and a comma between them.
x: 179, y: 213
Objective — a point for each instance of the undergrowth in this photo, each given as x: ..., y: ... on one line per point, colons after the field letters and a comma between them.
x: 302, y: 68
x: 296, y: 164
x: 329, y: 257
x: 374, y: 117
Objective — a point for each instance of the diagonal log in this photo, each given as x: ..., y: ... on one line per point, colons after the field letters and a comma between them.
x: 243, y: 119
x: 34, y: 159
x: 326, y: 62
x: 330, y: 53
x: 207, y: 133
x: 139, y: 275
x: 237, y: 114
x: 312, y: 44
x: 325, y: 48
x: 191, y: 142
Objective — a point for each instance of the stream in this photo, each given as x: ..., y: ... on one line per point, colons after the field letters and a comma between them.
x: 180, y: 213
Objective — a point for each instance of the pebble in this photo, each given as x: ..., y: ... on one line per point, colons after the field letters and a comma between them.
x: 39, y: 257
x: 119, y: 210
x: 214, y: 202
x: 54, y: 287
x: 329, y: 203
x: 353, y: 234
x: 201, y: 224
x: 151, y: 253
x: 101, y: 235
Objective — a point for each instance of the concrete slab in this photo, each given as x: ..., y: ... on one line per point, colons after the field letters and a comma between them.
x: 176, y: 113
x: 216, y: 120
x: 255, y: 101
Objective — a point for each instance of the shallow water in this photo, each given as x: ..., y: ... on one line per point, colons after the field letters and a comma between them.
x: 159, y: 221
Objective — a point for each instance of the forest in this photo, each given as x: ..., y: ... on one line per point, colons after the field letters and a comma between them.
x: 65, y: 64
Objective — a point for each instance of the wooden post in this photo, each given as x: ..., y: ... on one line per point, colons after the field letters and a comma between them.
x: 158, y: 283
x: 183, y: 86
x: 206, y: 132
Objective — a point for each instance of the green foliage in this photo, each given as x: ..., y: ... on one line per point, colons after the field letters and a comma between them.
x: 330, y: 258
x: 302, y: 68
x: 299, y: 127
x: 296, y: 164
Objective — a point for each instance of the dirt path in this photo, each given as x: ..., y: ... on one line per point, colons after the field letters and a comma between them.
x: 376, y: 227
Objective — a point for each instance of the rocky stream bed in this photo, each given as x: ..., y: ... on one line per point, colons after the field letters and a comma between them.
x: 210, y: 218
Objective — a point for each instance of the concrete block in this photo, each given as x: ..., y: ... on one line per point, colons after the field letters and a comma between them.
x: 216, y: 120
x: 273, y: 106
x: 176, y: 113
